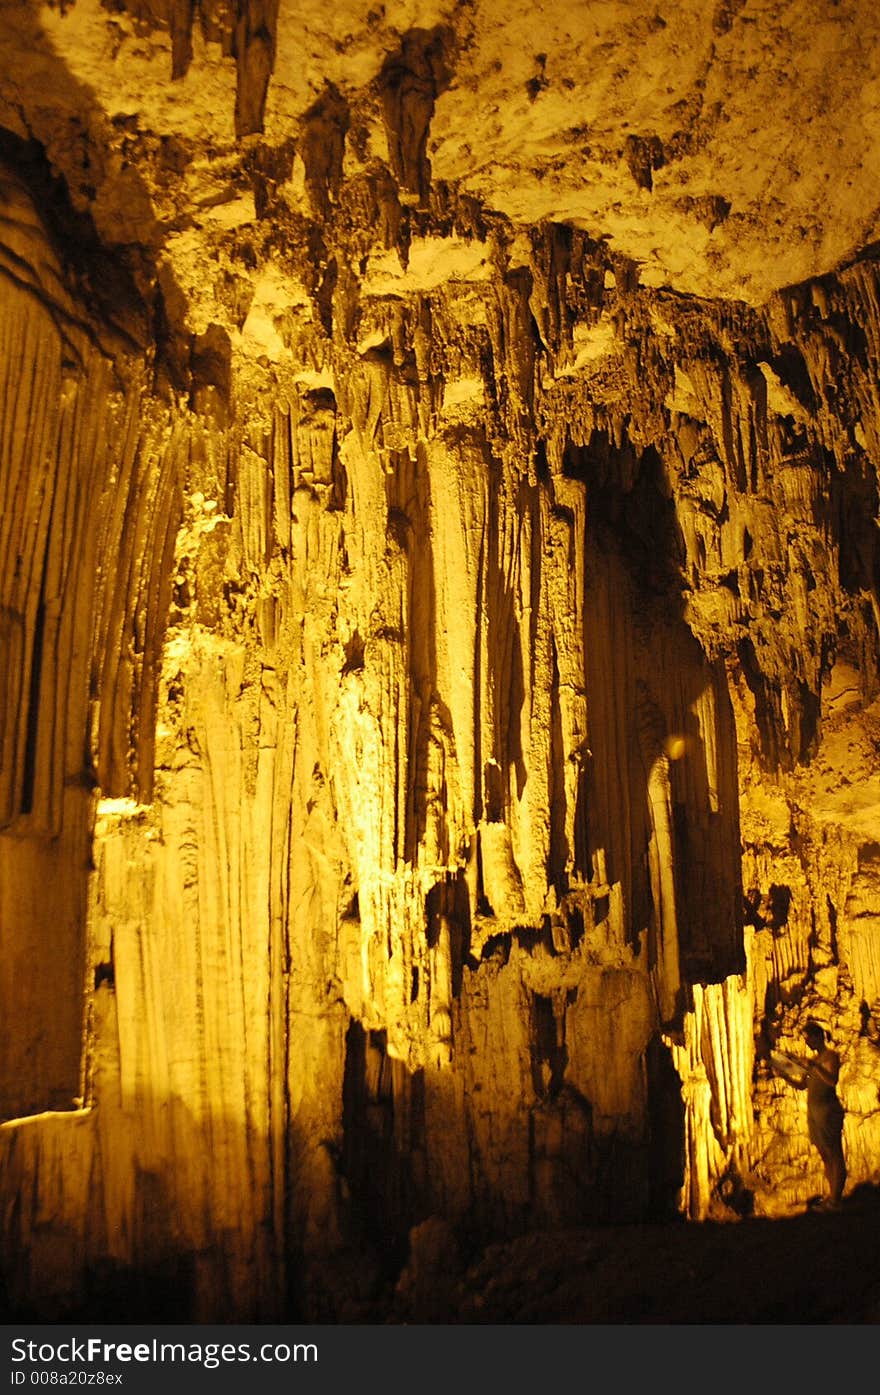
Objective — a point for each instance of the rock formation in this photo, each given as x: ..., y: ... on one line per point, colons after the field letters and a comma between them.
x: 440, y: 717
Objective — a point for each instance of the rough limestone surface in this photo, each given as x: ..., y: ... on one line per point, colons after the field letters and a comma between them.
x: 439, y: 633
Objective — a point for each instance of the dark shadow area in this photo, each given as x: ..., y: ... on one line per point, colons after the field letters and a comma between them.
x: 809, y: 1269
x: 649, y: 799
x: 666, y: 1117
x: 383, y: 1146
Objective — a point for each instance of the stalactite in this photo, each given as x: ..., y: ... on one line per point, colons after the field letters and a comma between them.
x: 439, y: 642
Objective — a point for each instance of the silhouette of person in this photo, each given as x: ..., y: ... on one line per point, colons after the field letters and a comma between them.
x: 824, y: 1111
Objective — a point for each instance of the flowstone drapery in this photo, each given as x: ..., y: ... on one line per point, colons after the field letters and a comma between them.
x: 440, y: 677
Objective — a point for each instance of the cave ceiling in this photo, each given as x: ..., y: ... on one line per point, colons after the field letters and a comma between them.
x: 716, y: 146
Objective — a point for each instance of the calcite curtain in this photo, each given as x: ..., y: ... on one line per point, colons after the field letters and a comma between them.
x: 439, y: 718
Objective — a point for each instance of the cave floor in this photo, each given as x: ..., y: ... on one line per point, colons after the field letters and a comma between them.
x: 813, y: 1268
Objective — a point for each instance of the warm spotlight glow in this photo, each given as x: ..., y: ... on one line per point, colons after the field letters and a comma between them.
x: 675, y: 746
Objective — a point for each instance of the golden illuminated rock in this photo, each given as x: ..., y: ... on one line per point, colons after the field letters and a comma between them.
x: 439, y: 618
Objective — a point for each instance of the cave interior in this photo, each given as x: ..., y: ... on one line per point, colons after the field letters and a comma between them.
x: 439, y: 658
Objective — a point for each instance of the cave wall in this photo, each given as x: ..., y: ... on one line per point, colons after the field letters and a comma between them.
x: 439, y: 695
x: 88, y: 476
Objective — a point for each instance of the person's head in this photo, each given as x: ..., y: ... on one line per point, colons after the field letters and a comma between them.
x: 814, y: 1036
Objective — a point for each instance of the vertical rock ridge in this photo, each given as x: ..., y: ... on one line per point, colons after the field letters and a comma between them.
x: 448, y: 666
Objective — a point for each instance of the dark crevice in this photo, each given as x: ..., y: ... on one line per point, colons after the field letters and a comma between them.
x: 383, y: 1120
x: 104, y: 283
x: 666, y: 1125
